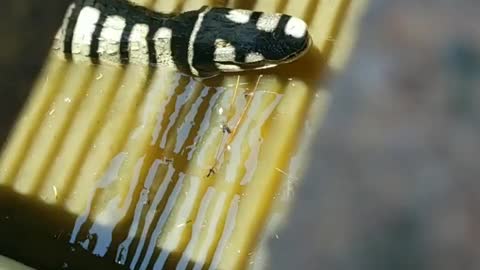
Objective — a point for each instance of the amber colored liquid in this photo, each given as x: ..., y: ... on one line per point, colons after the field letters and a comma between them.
x: 135, y: 168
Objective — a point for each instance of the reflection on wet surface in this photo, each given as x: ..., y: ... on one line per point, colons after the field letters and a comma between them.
x: 151, y: 169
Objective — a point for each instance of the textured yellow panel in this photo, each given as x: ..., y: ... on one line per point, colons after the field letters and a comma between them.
x: 6, y: 263
x: 166, y: 170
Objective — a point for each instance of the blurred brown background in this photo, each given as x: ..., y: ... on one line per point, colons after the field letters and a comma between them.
x: 394, y: 181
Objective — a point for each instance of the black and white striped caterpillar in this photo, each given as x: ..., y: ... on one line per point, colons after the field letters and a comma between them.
x: 201, y: 43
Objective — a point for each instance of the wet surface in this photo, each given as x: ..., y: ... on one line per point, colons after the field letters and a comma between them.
x: 149, y: 168
x: 26, y: 29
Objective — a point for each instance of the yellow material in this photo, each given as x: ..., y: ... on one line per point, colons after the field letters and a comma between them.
x: 187, y: 172
x: 9, y: 264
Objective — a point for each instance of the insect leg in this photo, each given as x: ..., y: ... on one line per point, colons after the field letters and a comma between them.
x: 232, y: 132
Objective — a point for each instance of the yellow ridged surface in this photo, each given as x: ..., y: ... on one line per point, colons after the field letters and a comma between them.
x: 6, y: 263
x: 143, y: 157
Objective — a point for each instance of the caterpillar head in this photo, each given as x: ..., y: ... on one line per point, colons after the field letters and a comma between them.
x: 232, y: 40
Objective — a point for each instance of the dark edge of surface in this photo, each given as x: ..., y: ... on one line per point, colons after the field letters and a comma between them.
x: 26, y: 31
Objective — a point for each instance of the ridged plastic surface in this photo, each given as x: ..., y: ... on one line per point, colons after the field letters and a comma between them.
x: 130, y: 151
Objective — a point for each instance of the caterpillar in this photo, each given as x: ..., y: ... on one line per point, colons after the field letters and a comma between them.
x: 201, y: 43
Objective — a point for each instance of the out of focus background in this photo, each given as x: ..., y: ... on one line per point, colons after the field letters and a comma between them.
x: 393, y: 181
x: 394, y: 178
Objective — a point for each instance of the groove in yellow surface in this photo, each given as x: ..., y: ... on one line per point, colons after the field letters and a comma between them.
x: 25, y: 129
x: 144, y: 158
x: 52, y: 130
x: 89, y: 118
x: 109, y: 141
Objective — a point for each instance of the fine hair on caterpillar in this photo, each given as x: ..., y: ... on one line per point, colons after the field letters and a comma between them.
x: 202, y: 43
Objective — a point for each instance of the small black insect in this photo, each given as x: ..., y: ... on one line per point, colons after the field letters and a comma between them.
x: 226, y: 129
x: 203, y: 43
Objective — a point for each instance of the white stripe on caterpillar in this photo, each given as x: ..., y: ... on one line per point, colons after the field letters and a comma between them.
x: 224, y: 51
x: 296, y: 28
x: 254, y: 57
x: 138, y: 48
x: 82, y: 35
x: 228, y: 67
x: 109, y: 45
x: 163, y: 40
x: 193, y: 37
x: 241, y: 16
x: 268, y: 22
